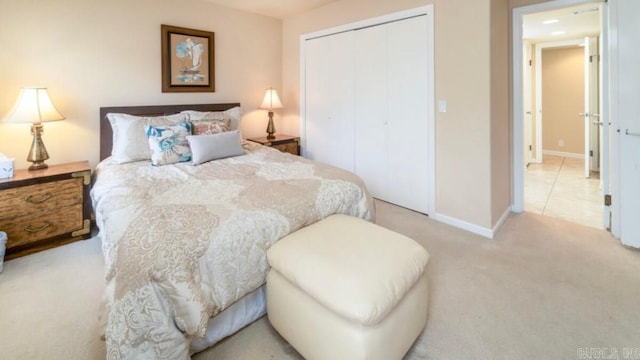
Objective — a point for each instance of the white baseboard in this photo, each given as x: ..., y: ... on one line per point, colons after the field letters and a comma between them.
x: 476, y: 229
x: 501, y: 221
x: 563, y: 154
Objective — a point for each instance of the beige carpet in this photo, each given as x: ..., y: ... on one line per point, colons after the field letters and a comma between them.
x: 543, y: 289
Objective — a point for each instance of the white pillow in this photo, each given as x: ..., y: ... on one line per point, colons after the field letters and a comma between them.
x: 234, y: 114
x: 129, y: 137
x: 215, y: 146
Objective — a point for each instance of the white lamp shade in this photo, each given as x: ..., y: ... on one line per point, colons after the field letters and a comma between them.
x: 271, y: 100
x: 33, y: 106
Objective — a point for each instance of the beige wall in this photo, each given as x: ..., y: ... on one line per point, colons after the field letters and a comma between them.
x: 105, y: 53
x: 472, y: 137
x: 563, y: 99
x: 500, y: 105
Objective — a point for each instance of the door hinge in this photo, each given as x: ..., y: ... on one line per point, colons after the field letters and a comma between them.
x: 607, y: 200
x: 530, y: 62
x: 591, y: 153
x: 530, y: 148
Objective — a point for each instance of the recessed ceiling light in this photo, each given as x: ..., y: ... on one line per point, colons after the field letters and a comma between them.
x: 556, y: 33
x: 584, y: 11
x: 550, y: 21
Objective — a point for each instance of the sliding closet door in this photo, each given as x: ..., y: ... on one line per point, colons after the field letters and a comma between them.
x: 368, y: 106
x: 371, y: 109
x: 391, y: 107
x: 408, y: 96
x: 329, y: 100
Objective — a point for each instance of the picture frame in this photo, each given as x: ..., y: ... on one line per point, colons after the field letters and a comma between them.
x: 187, y: 60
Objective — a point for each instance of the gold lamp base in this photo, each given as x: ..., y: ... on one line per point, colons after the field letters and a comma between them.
x: 271, y: 129
x: 38, y: 152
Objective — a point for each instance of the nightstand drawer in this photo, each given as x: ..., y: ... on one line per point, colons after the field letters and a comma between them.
x: 30, y: 228
x: 24, y: 200
x: 291, y: 148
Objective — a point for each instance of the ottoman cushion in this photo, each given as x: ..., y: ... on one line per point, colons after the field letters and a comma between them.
x: 356, y: 269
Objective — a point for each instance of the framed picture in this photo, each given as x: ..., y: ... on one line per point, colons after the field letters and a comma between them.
x: 187, y: 60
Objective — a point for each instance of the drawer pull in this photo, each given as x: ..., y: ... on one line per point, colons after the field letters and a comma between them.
x: 31, y: 229
x: 34, y: 200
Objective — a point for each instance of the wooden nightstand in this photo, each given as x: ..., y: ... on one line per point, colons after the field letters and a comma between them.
x: 45, y: 208
x: 284, y: 143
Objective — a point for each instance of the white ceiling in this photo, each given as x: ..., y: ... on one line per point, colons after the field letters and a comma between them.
x: 279, y: 9
x: 576, y: 22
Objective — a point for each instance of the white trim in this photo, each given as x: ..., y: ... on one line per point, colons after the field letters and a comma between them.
x: 503, y: 218
x: 517, y: 185
x: 431, y: 114
x: 476, y: 229
x: 400, y: 15
x: 605, y: 117
x: 614, y: 146
x: 473, y: 228
x: 564, y: 154
x: 427, y: 11
x: 303, y: 96
x: 517, y: 150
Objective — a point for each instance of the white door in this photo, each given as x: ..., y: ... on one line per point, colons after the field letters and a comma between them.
x: 527, y: 103
x: 591, y: 103
x: 367, y: 104
x: 391, y: 107
x: 594, y: 104
x: 329, y: 96
x: 408, y: 130
x: 372, y: 110
x: 628, y: 78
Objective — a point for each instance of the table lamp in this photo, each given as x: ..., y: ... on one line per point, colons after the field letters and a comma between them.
x: 35, y: 107
x: 271, y: 101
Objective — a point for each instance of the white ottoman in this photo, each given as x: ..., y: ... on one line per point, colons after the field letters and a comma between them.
x: 344, y: 288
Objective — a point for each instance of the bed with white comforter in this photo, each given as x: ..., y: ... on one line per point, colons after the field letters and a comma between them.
x: 183, y: 242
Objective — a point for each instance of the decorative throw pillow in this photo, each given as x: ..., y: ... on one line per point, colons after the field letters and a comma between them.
x: 208, y: 127
x: 216, y: 146
x: 129, y: 140
x: 234, y: 114
x: 168, y: 144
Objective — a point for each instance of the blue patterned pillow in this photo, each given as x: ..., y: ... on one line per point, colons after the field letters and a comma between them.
x: 169, y: 143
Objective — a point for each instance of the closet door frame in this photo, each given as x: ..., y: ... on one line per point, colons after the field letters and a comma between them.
x: 427, y: 11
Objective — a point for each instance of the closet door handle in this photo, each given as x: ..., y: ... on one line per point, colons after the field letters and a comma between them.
x: 627, y: 132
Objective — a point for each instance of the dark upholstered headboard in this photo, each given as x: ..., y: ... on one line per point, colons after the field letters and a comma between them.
x: 106, y: 134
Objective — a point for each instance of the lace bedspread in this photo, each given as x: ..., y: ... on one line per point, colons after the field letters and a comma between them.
x: 182, y: 242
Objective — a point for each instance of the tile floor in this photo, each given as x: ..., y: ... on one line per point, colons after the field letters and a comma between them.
x: 558, y: 188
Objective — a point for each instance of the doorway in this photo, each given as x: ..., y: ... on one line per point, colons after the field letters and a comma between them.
x: 562, y: 182
x: 557, y: 175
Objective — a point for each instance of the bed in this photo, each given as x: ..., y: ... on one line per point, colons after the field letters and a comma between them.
x: 185, y: 244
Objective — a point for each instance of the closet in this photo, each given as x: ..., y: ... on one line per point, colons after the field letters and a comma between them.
x: 368, y: 107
